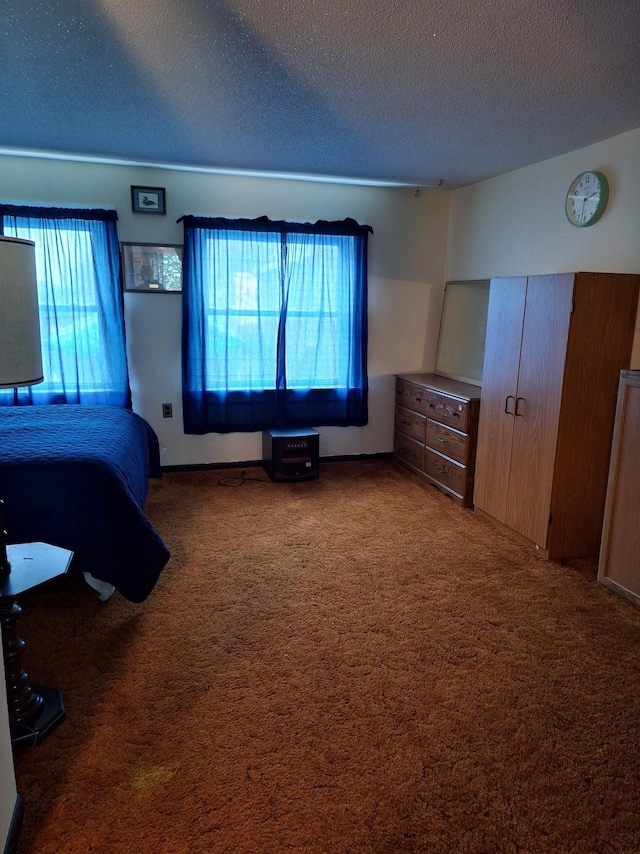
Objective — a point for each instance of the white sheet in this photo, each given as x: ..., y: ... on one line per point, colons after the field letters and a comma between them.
x: 105, y: 590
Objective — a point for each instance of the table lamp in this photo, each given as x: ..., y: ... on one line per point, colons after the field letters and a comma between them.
x: 20, y: 347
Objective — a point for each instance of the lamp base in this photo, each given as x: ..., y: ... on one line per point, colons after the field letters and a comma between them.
x: 52, y: 714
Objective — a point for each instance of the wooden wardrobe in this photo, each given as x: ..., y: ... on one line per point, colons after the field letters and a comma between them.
x: 555, y: 346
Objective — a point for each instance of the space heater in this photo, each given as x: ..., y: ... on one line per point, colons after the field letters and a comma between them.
x: 291, y: 454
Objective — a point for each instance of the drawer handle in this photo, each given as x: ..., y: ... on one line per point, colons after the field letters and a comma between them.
x: 440, y: 471
x: 506, y: 404
x: 444, y: 441
x: 518, y: 411
x: 444, y: 409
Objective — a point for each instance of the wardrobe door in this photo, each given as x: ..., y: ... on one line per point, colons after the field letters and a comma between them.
x: 537, y: 407
x: 499, y: 384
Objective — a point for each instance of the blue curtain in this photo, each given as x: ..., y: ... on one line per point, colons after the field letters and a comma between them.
x: 81, y: 305
x: 274, y: 324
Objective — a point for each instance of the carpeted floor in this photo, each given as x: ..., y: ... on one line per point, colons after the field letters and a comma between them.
x: 347, y: 665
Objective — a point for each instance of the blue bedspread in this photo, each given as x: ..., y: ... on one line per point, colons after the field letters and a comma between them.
x: 77, y: 477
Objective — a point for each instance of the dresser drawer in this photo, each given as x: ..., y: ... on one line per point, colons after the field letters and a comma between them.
x: 446, y: 472
x: 411, y: 396
x: 410, y: 423
x: 447, y: 441
x: 410, y: 451
x: 449, y: 410
x: 436, y: 422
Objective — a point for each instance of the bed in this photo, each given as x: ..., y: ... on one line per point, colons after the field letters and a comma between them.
x: 77, y: 477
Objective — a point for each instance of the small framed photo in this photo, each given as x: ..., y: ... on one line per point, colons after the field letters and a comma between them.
x: 147, y: 268
x: 151, y: 200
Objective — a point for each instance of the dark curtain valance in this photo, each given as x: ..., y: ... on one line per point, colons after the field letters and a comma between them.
x: 343, y: 227
x: 39, y: 212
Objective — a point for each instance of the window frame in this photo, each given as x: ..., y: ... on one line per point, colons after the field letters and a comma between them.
x: 288, y: 405
x: 94, y: 370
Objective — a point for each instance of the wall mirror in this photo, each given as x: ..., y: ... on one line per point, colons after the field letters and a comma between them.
x: 462, y: 330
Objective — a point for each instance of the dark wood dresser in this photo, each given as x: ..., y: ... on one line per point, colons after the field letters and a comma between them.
x: 436, y: 427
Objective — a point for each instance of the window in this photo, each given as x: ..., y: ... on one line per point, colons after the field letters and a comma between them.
x: 274, y: 324
x: 81, y: 312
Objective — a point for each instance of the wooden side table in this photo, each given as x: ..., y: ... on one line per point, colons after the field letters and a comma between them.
x: 34, y: 710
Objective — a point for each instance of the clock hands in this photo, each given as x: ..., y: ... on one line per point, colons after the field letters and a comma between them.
x: 581, y: 215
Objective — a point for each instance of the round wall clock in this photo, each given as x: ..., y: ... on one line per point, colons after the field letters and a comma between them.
x: 587, y: 198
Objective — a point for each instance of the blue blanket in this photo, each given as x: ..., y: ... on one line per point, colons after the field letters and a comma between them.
x: 77, y: 477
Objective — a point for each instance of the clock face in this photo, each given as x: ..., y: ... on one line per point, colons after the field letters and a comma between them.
x: 587, y: 198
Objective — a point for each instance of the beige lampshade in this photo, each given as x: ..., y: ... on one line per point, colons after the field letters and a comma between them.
x: 20, y: 347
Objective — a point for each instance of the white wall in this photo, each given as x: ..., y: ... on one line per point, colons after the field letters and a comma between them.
x: 407, y: 255
x: 513, y: 224
x: 516, y: 224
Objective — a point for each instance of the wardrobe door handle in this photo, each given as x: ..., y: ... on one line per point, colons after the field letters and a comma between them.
x: 518, y: 411
x: 506, y: 404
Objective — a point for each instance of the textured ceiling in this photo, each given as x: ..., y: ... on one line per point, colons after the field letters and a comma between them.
x: 409, y: 91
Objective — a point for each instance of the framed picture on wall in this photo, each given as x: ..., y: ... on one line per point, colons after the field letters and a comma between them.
x: 150, y: 200
x: 147, y: 268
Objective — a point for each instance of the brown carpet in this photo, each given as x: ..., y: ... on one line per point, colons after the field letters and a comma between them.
x: 347, y: 665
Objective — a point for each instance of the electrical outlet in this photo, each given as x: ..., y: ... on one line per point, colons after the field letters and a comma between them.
x: 167, y: 410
